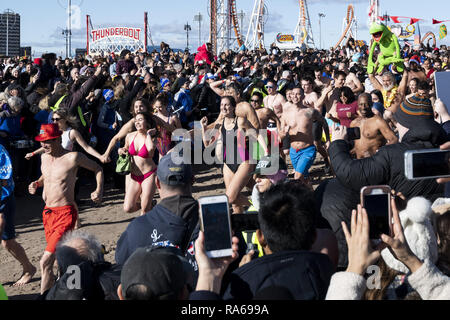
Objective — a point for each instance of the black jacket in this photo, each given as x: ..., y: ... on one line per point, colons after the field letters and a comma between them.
x: 338, y: 197
x: 170, y: 222
x: 305, y: 274
x: 98, y: 281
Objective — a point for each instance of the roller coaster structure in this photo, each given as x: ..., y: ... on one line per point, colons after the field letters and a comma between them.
x: 349, y: 26
x: 255, y: 33
x: 224, y: 21
x: 303, y: 32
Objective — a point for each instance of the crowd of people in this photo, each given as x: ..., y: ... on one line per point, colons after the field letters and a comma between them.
x: 67, y: 121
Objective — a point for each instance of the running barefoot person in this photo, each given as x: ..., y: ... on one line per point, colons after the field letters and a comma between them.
x: 297, y: 121
x: 311, y: 100
x: 140, y: 184
x: 69, y: 136
x: 7, y: 212
x: 236, y: 171
x: 375, y: 131
x: 59, y: 170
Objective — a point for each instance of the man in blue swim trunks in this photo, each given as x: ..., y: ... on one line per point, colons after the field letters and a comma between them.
x: 297, y: 122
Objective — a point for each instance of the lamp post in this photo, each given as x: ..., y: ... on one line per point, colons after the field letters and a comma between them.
x: 198, y: 18
x: 321, y: 15
x: 187, y: 28
x: 67, y: 33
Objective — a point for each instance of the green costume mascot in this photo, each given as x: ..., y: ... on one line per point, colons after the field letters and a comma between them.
x: 389, y: 49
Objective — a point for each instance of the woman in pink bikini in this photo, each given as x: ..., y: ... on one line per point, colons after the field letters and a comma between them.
x: 141, y: 182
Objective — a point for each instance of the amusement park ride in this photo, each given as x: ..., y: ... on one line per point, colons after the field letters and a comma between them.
x: 226, y: 31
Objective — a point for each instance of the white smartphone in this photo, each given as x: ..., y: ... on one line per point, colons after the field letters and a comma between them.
x: 216, y: 225
x: 427, y: 164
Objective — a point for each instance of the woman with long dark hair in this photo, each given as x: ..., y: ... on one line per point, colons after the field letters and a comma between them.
x: 140, y: 183
x: 236, y: 171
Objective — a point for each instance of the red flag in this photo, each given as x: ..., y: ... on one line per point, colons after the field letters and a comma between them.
x: 381, y: 18
x: 414, y: 20
x: 436, y: 21
x: 395, y: 19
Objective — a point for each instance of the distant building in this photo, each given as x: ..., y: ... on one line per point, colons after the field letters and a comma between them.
x: 25, y: 51
x: 9, y: 33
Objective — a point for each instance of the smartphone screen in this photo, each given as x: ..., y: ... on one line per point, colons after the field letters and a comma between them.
x: 216, y: 226
x: 377, y: 207
x: 431, y: 164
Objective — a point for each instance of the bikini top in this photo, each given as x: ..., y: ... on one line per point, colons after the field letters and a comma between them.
x: 143, y: 153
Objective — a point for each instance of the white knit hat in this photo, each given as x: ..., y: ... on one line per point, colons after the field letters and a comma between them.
x: 419, y: 233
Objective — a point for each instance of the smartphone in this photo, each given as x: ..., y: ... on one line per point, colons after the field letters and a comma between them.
x: 442, y: 82
x: 353, y: 133
x: 377, y: 202
x: 216, y: 225
x: 427, y: 164
x: 245, y: 222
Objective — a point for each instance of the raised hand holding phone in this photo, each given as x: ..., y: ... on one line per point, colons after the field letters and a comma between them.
x: 216, y: 225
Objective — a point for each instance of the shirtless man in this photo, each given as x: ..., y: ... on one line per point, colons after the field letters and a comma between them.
x: 332, y: 93
x: 265, y: 116
x: 390, y: 90
x: 319, y: 79
x: 351, y: 80
x: 415, y: 71
x: 375, y: 131
x: 59, y: 170
x: 310, y: 100
x: 297, y: 122
x: 243, y: 108
x: 274, y: 100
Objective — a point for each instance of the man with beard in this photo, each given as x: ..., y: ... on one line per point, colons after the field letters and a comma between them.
x: 375, y: 132
x: 390, y: 91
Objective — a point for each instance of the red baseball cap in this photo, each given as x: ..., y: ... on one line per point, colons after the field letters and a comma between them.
x: 49, y: 132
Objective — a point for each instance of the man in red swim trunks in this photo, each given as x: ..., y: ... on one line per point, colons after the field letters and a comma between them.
x: 59, y: 170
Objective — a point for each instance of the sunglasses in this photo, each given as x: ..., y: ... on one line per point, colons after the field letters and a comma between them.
x: 56, y: 119
x: 270, y: 87
x: 254, y: 101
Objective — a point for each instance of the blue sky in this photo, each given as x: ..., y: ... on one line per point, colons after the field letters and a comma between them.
x: 42, y: 22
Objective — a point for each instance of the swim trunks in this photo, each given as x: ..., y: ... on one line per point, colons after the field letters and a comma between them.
x: 58, y: 221
x: 303, y: 159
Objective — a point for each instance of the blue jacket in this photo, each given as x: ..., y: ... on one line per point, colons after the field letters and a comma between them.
x: 170, y: 223
x: 305, y: 274
x: 6, y: 173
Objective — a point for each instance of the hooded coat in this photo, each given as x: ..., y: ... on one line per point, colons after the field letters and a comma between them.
x: 203, y: 55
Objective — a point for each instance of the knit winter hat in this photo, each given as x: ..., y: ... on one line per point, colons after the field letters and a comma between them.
x: 419, y: 233
x: 414, y: 110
